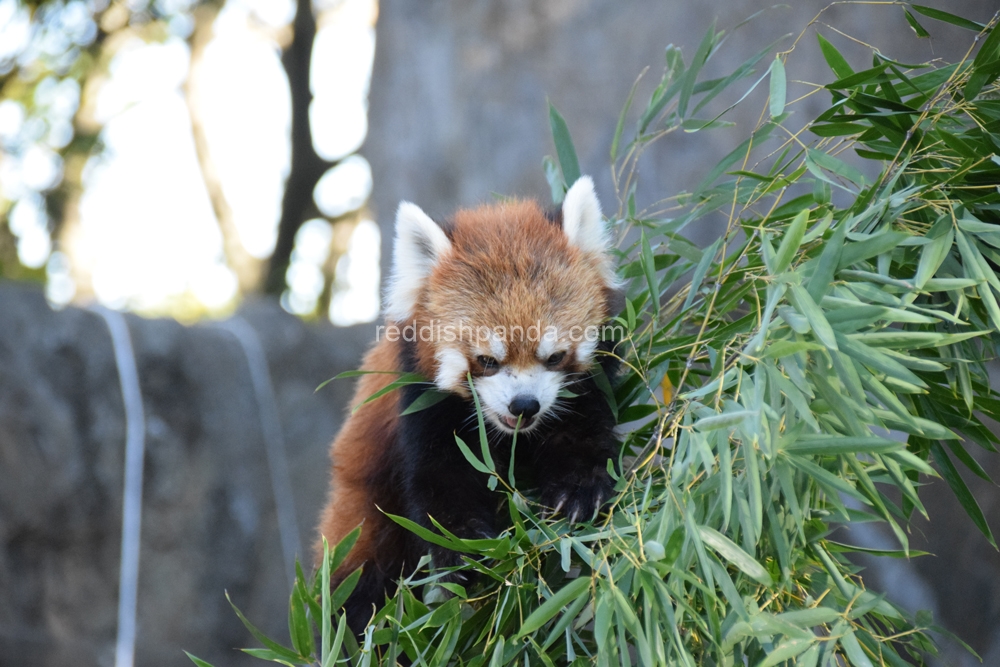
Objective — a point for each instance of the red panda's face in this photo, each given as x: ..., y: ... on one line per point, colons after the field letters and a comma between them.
x: 506, y: 296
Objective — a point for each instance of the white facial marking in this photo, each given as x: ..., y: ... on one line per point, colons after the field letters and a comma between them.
x: 497, y: 348
x: 584, y: 226
x: 497, y: 391
x: 585, y: 351
x: 548, y: 344
x: 419, y: 245
x: 452, y: 369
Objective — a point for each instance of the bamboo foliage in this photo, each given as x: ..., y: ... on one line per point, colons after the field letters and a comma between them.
x: 823, y: 356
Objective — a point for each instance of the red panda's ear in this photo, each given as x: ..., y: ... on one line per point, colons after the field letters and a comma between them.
x: 584, y: 226
x: 420, y: 244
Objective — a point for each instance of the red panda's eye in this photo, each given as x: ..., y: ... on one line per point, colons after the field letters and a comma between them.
x: 555, y: 359
x: 488, y: 363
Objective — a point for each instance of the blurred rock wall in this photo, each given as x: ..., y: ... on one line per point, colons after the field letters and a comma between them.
x: 208, y: 520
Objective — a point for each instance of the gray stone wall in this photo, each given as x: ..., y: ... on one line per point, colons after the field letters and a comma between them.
x: 208, y: 520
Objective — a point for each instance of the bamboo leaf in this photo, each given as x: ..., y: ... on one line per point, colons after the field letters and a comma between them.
x: 930, y: 12
x: 961, y: 491
x: 548, y: 609
x: 777, y: 93
x: 791, y: 241
x: 917, y: 28
x: 734, y: 554
x: 827, y: 445
x: 817, y: 322
x: 564, y: 146
x: 833, y: 58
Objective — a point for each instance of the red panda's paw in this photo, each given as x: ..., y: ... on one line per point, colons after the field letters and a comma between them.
x: 578, y: 495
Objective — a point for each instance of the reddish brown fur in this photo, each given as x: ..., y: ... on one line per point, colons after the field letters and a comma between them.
x: 357, y: 455
x: 510, y: 266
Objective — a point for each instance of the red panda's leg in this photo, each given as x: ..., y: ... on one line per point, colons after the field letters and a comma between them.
x: 571, y: 464
x: 438, y: 481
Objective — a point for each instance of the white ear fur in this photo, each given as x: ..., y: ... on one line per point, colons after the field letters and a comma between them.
x: 584, y: 226
x: 419, y: 245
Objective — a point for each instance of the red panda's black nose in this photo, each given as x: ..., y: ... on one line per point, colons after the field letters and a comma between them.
x: 525, y: 406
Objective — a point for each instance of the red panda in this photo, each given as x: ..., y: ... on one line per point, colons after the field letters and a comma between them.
x: 515, y: 298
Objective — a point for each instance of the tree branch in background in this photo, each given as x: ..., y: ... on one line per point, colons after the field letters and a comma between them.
x: 248, y: 269
x: 297, y: 206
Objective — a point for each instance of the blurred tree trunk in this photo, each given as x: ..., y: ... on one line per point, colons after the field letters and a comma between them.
x: 297, y: 206
x: 248, y: 269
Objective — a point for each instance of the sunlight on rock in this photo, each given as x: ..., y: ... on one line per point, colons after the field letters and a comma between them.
x: 356, y: 290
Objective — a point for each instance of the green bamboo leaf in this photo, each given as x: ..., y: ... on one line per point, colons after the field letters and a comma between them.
x: 278, y: 649
x: 870, y: 247
x: 338, y: 642
x: 649, y: 269
x: 816, y: 161
x: 826, y: 267
x: 912, y: 339
x: 404, y: 380
x: 700, y: 271
x: 912, y: 461
x: 786, y: 650
x: 876, y: 359
x: 780, y: 349
x: 498, y: 650
x: 930, y: 12
x: 627, y: 614
x: 948, y: 284
x: 429, y: 397
x: 777, y: 96
x: 299, y: 629
x: 859, y: 79
x: 269, y: 655
x: 553, y: 175
x: 832, y: 445
x: 197, y: 661
x: 621, y: 119
x: 548, y: 609
x: 961, y: 491
x: 791, y: 241
x: 833, y: 58
x: 917, y: 28
x: 989, y: 51
x: 690, y: 77
x: 730, y: 551
x: 932, y: 256
x: 430, y: 536
x: 972, y: 464
x: 809, y: 618
x: 853, y: 650
x: 888, y: 553
x: 484, y: 444
x: 724, y: 420
x: 344, y: 590
x: 470, y: 457
x: 825, y: 478
x: 817, y: 322
x: 564, y: 146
